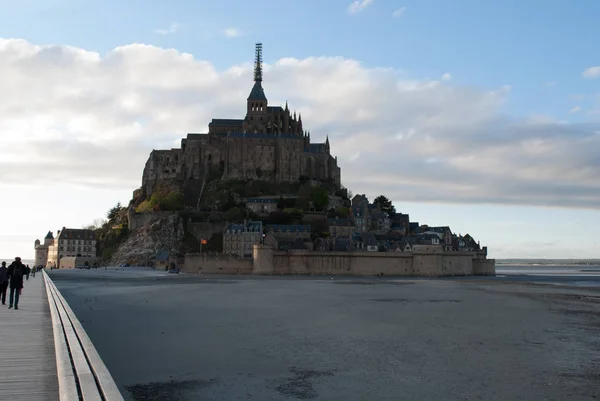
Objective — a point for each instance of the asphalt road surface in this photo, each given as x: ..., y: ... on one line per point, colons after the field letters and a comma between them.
x: 181, y: 337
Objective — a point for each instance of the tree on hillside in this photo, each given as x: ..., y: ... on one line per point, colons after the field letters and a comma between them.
x: 114, y: 211
x: 320, y: 197
x: 96, y: 225
x: 385, y: 204
x: 234, y: 215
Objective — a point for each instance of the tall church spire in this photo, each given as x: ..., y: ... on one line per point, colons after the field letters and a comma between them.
x: 258, y: 63
x: 257, y: 92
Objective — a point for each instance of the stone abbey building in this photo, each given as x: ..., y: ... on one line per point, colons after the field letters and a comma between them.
x: 269, y: 143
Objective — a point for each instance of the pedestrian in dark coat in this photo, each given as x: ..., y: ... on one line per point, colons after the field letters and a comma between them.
x: 3, y: 282
x: 16, y: 271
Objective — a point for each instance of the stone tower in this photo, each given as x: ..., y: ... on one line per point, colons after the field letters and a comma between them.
x: 49, y: 239
x: 256, y: 113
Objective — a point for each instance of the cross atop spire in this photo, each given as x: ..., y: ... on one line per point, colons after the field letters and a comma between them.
x: 258, y: 63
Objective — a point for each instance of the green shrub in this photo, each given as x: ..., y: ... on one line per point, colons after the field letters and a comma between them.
x: 167, y: 201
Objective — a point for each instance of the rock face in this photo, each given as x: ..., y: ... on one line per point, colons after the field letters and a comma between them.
x: 142, y: 244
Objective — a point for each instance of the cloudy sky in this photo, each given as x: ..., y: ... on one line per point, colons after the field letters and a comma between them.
x: 484, y: 116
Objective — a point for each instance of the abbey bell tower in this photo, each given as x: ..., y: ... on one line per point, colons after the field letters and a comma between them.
x: 257, y: 101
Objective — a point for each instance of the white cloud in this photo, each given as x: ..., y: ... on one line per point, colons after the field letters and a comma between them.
x: 233, y: 32
x: 358, y: 5
x: 575, y: 109
x: 591, y: 72
x: 92, y: 120
x: 174, y: 27
x: 399, y: 12
x: 447, y: 76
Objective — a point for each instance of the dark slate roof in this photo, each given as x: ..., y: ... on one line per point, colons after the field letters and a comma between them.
x: 49, y: 235
x: 317, y: 148
x: 298, y: 244
x: 339, y: 222
x: 196, y: 137
x: 285, y: 243
x: 225, y: 122
x: 259, y: 136
x: 257, y: 92
x: 342, y: 245
x: 261, y: 200
x: 236, y: 227
x: 274, y: 109
x: 285, y: 227
x: 440, y: 230
x: 251, y: 226
x: 369, y: 239
x: 74, y: 233
x: 162, y: 256
x: 386, y: 237
x: 255, y: 226
x: 410, y: 239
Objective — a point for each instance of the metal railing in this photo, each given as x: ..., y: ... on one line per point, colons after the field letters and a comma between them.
x: 81, y: 373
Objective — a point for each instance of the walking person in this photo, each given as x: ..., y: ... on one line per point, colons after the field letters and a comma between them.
x: 27, y: 271
x: 3, y: 282
x: 33, y: 270
x: 16, y: 271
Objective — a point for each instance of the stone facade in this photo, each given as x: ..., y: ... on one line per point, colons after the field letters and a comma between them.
x: 269, y: 143
x: 69, y: 242
x: 261, y: 205
x: 238, y: 239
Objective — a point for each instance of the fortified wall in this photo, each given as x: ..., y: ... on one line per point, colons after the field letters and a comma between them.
x: 71, y: 262
x: 427, y: 262
x: 199, y: 263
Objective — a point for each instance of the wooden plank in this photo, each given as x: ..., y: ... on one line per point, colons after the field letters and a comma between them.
x: 66, y: 376
x: 28, y: 370
x: 107, y: 384
x: 87, y: 383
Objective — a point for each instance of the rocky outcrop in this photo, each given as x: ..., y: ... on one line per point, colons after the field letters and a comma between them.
x: 144, y: 243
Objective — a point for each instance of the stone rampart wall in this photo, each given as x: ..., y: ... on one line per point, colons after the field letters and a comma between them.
x: 199, y: 263
x: 266, y: 261
x: 484, y: 267
x: 422, y: 263
x: 70, y: 262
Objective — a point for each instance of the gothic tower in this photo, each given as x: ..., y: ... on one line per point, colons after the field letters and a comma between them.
x: 257, y: 101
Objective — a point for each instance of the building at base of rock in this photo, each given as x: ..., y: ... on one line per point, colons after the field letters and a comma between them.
x: 69, y: 242
x: 269, y: 143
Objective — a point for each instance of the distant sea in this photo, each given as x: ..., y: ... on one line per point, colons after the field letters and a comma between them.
x: 549, y: 262
x: 25, y: 261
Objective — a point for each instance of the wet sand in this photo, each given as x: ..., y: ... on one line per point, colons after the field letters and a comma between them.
x: 180, y: 337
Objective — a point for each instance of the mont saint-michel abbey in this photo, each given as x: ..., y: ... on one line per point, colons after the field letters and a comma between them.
x: 269, y: 143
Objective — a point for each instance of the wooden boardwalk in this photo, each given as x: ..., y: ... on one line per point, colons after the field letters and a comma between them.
x: 27, y: 356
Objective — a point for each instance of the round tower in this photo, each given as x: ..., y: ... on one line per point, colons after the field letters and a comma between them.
x: 41, y: 252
